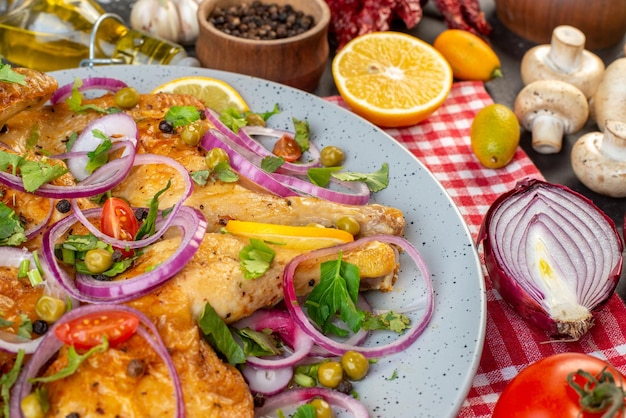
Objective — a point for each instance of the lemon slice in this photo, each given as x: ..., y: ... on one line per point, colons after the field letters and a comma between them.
x: 216, y: 94
x: 294, y: 237
x: 391, y: 79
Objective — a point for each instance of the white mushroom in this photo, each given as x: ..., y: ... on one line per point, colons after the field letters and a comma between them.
x: 599, y: 159
x: 550, y: 109
x: 609, y: 102
x: 565, y: 59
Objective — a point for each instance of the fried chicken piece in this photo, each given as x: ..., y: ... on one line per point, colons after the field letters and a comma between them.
x: 16, y: 97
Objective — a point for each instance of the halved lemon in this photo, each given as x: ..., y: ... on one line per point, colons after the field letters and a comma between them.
x: 216, y: 94
x: 294, y: 237
x: 391, y: 79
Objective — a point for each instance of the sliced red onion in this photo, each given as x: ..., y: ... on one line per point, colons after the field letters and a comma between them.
x: 13, y: 257
x: 552, y: 254
x: 116, y: 126
x: 359, y: 192
x: 339, y: 348
x: 297, y: 397
x: 281, y: 323
x: 91, y: 83
x: 50, y: 345
x: 143, y: 159
x: 267, y: 381
x: 87, y: 289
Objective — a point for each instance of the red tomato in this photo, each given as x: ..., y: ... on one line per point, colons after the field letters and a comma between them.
x: 542, y: 390
x: 118, y: 219
x: 288, y: 148
x: 87, y: 331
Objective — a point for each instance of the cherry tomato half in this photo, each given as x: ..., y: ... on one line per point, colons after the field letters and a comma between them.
x: 542, y: 389
x: 118, y: 219
x: 87, y: 331
x: 288, y: 148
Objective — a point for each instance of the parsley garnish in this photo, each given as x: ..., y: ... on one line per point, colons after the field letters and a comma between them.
x: 11, y: 229
x: 182, y: 115
x: 256, y: 258
x: 235, y: 120
x: 99, y: 156
x: 36, y: 173
x: 376, y: 181
x: 305, y: 411
x: 148, y: 227
x: 320, y: 176
x: 75, y: 101
x: 225, y: 173
x: 271, y: 163
x: 8, y: 380
x: 386, y: 321
x: 25, y: 330
x: 200, y: 177
x: 217, y: 333
x: 302, y: 133
x: 336, y: 293
x: 7, y: 75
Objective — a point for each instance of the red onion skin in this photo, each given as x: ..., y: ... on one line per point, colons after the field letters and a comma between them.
x: 509, y: 288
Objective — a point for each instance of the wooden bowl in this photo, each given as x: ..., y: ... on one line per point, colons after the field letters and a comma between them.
x: 298, y: 61
x: 602, y: 22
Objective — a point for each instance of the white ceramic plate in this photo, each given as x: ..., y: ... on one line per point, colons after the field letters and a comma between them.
x: 432, y: 377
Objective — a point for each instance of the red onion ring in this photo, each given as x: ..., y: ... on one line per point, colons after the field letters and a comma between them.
x: 338, y: 348
x: 91, y: 83
x: 296, y: 397
x: 540, y: 230
x: 143, y: 159
x: 87, y: 289
x: 281, y: 323
x: 50, y: 344
x: 267, y: 381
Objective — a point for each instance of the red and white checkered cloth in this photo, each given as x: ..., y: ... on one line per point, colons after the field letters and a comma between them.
x: 442, y: 143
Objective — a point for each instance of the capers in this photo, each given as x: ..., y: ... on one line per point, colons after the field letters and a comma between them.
x: 254, y: 119
x: 98, y: 260
x: 332, y: 156
x: 348, y: 224
x: 355, y: 365
x: 40, y: 327
x: 126, y: 98
x: 322, y: 408
x: 31, y: 407
x: 214, y: 157
x: 49, y: 309
x: 193, y: 133
x: 166, y: 127
x: 330, y: 374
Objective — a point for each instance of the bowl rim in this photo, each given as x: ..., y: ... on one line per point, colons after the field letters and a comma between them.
x: 321, y: 25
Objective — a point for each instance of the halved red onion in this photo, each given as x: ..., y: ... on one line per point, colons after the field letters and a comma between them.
x: 13, y: 257
x: 91, y: 83
x: 116, y: 126
x: 267, y: 381
x: 50, y: 345
x: 85, y: 288
x: 337, y: 347
x: 552, y: 254
x: 281, y: 323
x: 297, y: 397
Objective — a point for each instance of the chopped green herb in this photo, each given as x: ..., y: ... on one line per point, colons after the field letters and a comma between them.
x: 305, y: 411
x: 25, y: 330
x: 75, y: 101
x: 37, y: 173
x: 225, y: 173
x: 7, y: 75
x: 235, y: 120
x: 302, y: 133
x: 11, y: 229
x: 5, y: 324
x: 182, y: 115
x: 394, y: 375
x: 8, y: 380
x: 200, y: 177
x: 83, y: 242
x: 257, y: 343
x: 74, y: 360
x: 33, y: 137
x: 148, y: 226
x: 100, y: 156
x: 217, y: 333
x: 376, y: 181
x: 386, y: 321
x: 320, y: 176
x: 336, y: 293
x: 270, y: 163
x: 256, y: 258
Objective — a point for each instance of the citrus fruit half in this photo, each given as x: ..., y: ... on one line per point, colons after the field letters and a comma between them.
x: 494, y: 135
x: 391, y: 79
x: 216, y: 94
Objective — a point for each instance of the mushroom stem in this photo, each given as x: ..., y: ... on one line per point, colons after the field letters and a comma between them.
x: 566, y: 48
x: 613, y: 144
x: 547, y: 134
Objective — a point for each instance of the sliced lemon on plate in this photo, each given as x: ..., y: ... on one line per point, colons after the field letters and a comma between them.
x: 216, y: 94
x: 391, y: 79
x: 294, y: 237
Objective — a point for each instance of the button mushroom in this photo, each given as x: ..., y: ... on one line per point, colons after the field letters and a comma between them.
x: 565, y: 59
x: 609, y: 102
x: 550, y: 108
x: 599, y: 159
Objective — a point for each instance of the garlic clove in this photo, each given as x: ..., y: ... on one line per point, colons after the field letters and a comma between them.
x: 157, y: 17
x: 188, y: 16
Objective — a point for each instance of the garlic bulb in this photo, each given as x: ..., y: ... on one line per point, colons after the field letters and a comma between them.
x: 174, y: 20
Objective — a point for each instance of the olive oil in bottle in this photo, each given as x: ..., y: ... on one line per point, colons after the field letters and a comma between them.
x: 50, y: 35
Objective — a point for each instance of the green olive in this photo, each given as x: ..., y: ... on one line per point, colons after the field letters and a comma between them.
x: 126, y: 98
x: 332, y: 156
x: 31, y: 407
x: 214, y: 157
x: 49, y: 308
x: 98, y: 260
x: 348, y: 224
x: 193, y: 133
x: 254, y: 119
x: 322, y: 408
x: 355, y: 365
x: 330, y: 374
